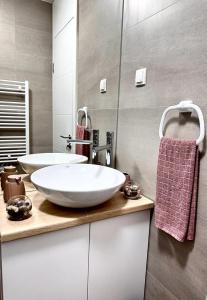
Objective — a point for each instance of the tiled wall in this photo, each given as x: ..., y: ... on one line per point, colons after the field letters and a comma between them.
x: 168, y: 37
x: 99, y: 41
x: 26, y: 54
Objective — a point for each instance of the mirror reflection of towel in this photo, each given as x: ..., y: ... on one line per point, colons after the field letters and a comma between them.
x: 83, y: 134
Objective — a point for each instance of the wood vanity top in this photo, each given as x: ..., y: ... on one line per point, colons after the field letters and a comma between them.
x: 47, y: 217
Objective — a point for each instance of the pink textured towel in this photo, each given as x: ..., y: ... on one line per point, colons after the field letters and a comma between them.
x: 82, y: 134
x: 177, y: 184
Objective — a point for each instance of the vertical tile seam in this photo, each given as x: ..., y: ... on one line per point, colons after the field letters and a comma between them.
x: 119, y: 81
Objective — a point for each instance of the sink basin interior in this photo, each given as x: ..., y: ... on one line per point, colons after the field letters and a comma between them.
x: 78, y: 185
x: 77, y: 178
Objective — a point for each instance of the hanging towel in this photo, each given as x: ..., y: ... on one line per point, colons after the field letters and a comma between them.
x: 177, y: 184
x: 82, y: 134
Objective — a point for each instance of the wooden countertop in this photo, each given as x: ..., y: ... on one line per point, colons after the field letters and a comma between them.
x: 47, y: 217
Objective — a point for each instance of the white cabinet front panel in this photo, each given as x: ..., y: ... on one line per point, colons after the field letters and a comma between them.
x: 118, y: 256
x: 52, y: 266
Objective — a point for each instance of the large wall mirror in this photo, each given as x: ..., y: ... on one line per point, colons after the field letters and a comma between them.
x: 98, y: 57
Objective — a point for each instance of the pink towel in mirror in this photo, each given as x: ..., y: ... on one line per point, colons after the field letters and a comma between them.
x: 82, y: 134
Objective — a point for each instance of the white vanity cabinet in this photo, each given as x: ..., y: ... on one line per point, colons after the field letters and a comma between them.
x: 50, y: 266
x: 102, y: 260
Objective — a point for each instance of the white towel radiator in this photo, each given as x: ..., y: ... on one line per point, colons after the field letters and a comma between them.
x: 14, y: 120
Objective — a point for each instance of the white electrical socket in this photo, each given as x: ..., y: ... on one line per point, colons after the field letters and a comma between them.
x: 103, y: 85
x: 140, y: 77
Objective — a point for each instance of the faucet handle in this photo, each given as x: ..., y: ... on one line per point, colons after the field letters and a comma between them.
x: 68, y: 146
x: 95, y: 137
x: 108, y: 158
x: 66, y: 137
x: 109, y: 138
x: 109, y: 151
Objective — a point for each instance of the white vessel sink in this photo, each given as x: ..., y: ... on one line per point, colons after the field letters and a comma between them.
x: 33, y: 162
x: 78, y: 186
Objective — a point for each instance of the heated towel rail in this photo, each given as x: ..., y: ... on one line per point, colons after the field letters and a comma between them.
x: 14, y: 120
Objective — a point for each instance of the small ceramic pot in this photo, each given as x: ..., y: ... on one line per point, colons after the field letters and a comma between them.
x: 132, y: 191
x: 9, y: 170
x: 19, y: 207
x: 14, y: 186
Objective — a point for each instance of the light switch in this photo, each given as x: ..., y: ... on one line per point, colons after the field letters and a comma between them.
x: 103, y: 85
x: 140, y: 77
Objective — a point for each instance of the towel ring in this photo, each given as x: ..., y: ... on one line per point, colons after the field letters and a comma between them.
x: 85, y: 110
x: 185, y: 106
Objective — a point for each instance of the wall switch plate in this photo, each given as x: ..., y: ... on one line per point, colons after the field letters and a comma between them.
x: 140, y: 77
x: 103, y: 85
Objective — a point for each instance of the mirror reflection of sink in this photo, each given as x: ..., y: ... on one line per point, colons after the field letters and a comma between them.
x: 81, y: 185
x: 33, y: 162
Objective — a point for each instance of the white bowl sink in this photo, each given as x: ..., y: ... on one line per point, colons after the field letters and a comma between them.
x: 33, y: 162
x: 78, y: 186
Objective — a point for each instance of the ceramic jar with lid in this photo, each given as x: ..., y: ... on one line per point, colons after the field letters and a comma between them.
x: 14, y: 186
x: 132, y: 190
x: 8, y: 170
x: 19, y: 207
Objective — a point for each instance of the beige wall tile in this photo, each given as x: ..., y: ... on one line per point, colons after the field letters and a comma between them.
x: 156, y: 291
x: 99, y: 52
x: 138, y: 11
x: 180, y: 267
x: 172, y: 46
x: 34, y: 14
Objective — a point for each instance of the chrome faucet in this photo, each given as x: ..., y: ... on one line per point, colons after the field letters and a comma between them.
x: 94, y: 146
x: 108, y: 147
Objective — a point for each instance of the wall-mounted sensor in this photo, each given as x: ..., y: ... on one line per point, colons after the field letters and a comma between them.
x: 103, y: 84
x: 140, y: 77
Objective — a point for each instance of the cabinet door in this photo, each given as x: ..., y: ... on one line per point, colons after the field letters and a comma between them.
x: 63, y: 12
x: 118, y: 255
x: 52, y: 266
x: 63, y: 85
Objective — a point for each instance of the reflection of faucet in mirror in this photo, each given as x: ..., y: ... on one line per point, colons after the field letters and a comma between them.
x: 95, y: 148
